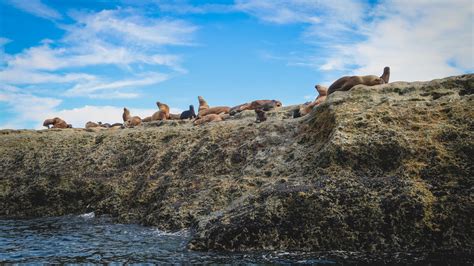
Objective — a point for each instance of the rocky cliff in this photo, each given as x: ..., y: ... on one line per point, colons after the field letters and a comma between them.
x: 375, y: 169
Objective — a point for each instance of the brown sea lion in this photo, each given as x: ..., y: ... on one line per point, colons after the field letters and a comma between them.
x: 202, y: 104
x: 130, y: 121
x: 163, y: 113
x: 57, y: 123
x: 207, y: 119
x: 239, y: 108
x: 347, y: 82
x: 147, y: 119
x: 265, y: 105
x: 174, y: 116
x: 261, y: 115
x: 189, y: 114
x: 386, y: 74
x: 214, y: 110
x: 91, y: 124
x: 307, y: 108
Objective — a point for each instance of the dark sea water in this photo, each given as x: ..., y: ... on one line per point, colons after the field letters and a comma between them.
x: 88, y: 239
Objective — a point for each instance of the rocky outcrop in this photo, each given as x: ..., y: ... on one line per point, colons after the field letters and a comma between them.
x: 375, y: 169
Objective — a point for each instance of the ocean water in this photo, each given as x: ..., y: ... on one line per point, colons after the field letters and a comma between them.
x: 89, y: 239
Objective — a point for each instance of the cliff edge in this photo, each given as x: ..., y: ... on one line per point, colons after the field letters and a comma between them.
x: 385, y: 168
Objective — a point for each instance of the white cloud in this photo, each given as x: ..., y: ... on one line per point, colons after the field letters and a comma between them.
x: 419, y: 40
x: 123, y: 38
x: 91, y: 88
x: 37, y: 8
x: 29, y: 109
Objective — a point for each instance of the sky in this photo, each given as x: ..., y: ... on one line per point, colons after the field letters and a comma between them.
x: 84, y: 60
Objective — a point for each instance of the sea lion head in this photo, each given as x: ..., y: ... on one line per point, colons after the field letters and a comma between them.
x: 277, y: 103
x: 158, y: 104
x: 323, y: 91
x: 191, y: 107
x: 126, y: 110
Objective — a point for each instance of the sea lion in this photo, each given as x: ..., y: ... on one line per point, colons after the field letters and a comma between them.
x: 207, y: 119
x: 214, y: 110
x: 239, y: 108
x: 307, y: 107
x: 91, y: 124
x: 163, y: 113
x: 265, y: 105
x: 57, y: 123
x: 174, y: 116
x: 261, y: 115
x: 106, y: 125
x: 386, y: 74
x: 202, y: 104
x: 189, y: 114
x: 130, y: 121
x: 147, y: 119
x: 347, y: 82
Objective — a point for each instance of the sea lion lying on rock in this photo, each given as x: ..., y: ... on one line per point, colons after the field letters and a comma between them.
x: 261, y: 115
x: 174, y: 116
x: 204, y: 108
x: 91, y: 124
x: 214, y: 110
x: 202, y: 104
x: 265, y: 105
x: 347, y: 82
x: 239, y: 108
x: 56, y: 122
x: 147, y: 119
x: 209, y: 118
x: 130, y: 121
x: 306, y: 108
x: 163, y: 113
x: 189, y: 114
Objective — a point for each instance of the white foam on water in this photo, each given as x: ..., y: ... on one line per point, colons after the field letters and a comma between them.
x: 181, y: 233
x: 88, y: 215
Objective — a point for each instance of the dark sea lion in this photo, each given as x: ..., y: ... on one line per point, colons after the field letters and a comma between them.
x: 265, y: 105
x: 189, y: 114
x: 386, y: 74
x: 261, y: 115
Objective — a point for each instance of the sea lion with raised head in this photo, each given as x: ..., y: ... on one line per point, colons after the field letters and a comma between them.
x: 56, y: 123
x: 386, y: 74
x: 261, y: 115
x: 189, y: 114
x: 202, y: 104
x: 347, y: 82
x: 306, y: 108
x: 207, y: 119
x: 130, y: 121
x: 163, y: 113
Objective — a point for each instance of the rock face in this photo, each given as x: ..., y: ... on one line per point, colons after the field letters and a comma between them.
x: 375, y: 169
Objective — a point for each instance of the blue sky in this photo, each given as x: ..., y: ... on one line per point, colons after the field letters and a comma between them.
x: 85, y: 60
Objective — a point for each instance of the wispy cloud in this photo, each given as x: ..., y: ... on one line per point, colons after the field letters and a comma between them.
x: 36, y: 8
x: 124, y: 38
x: 355, y: 38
